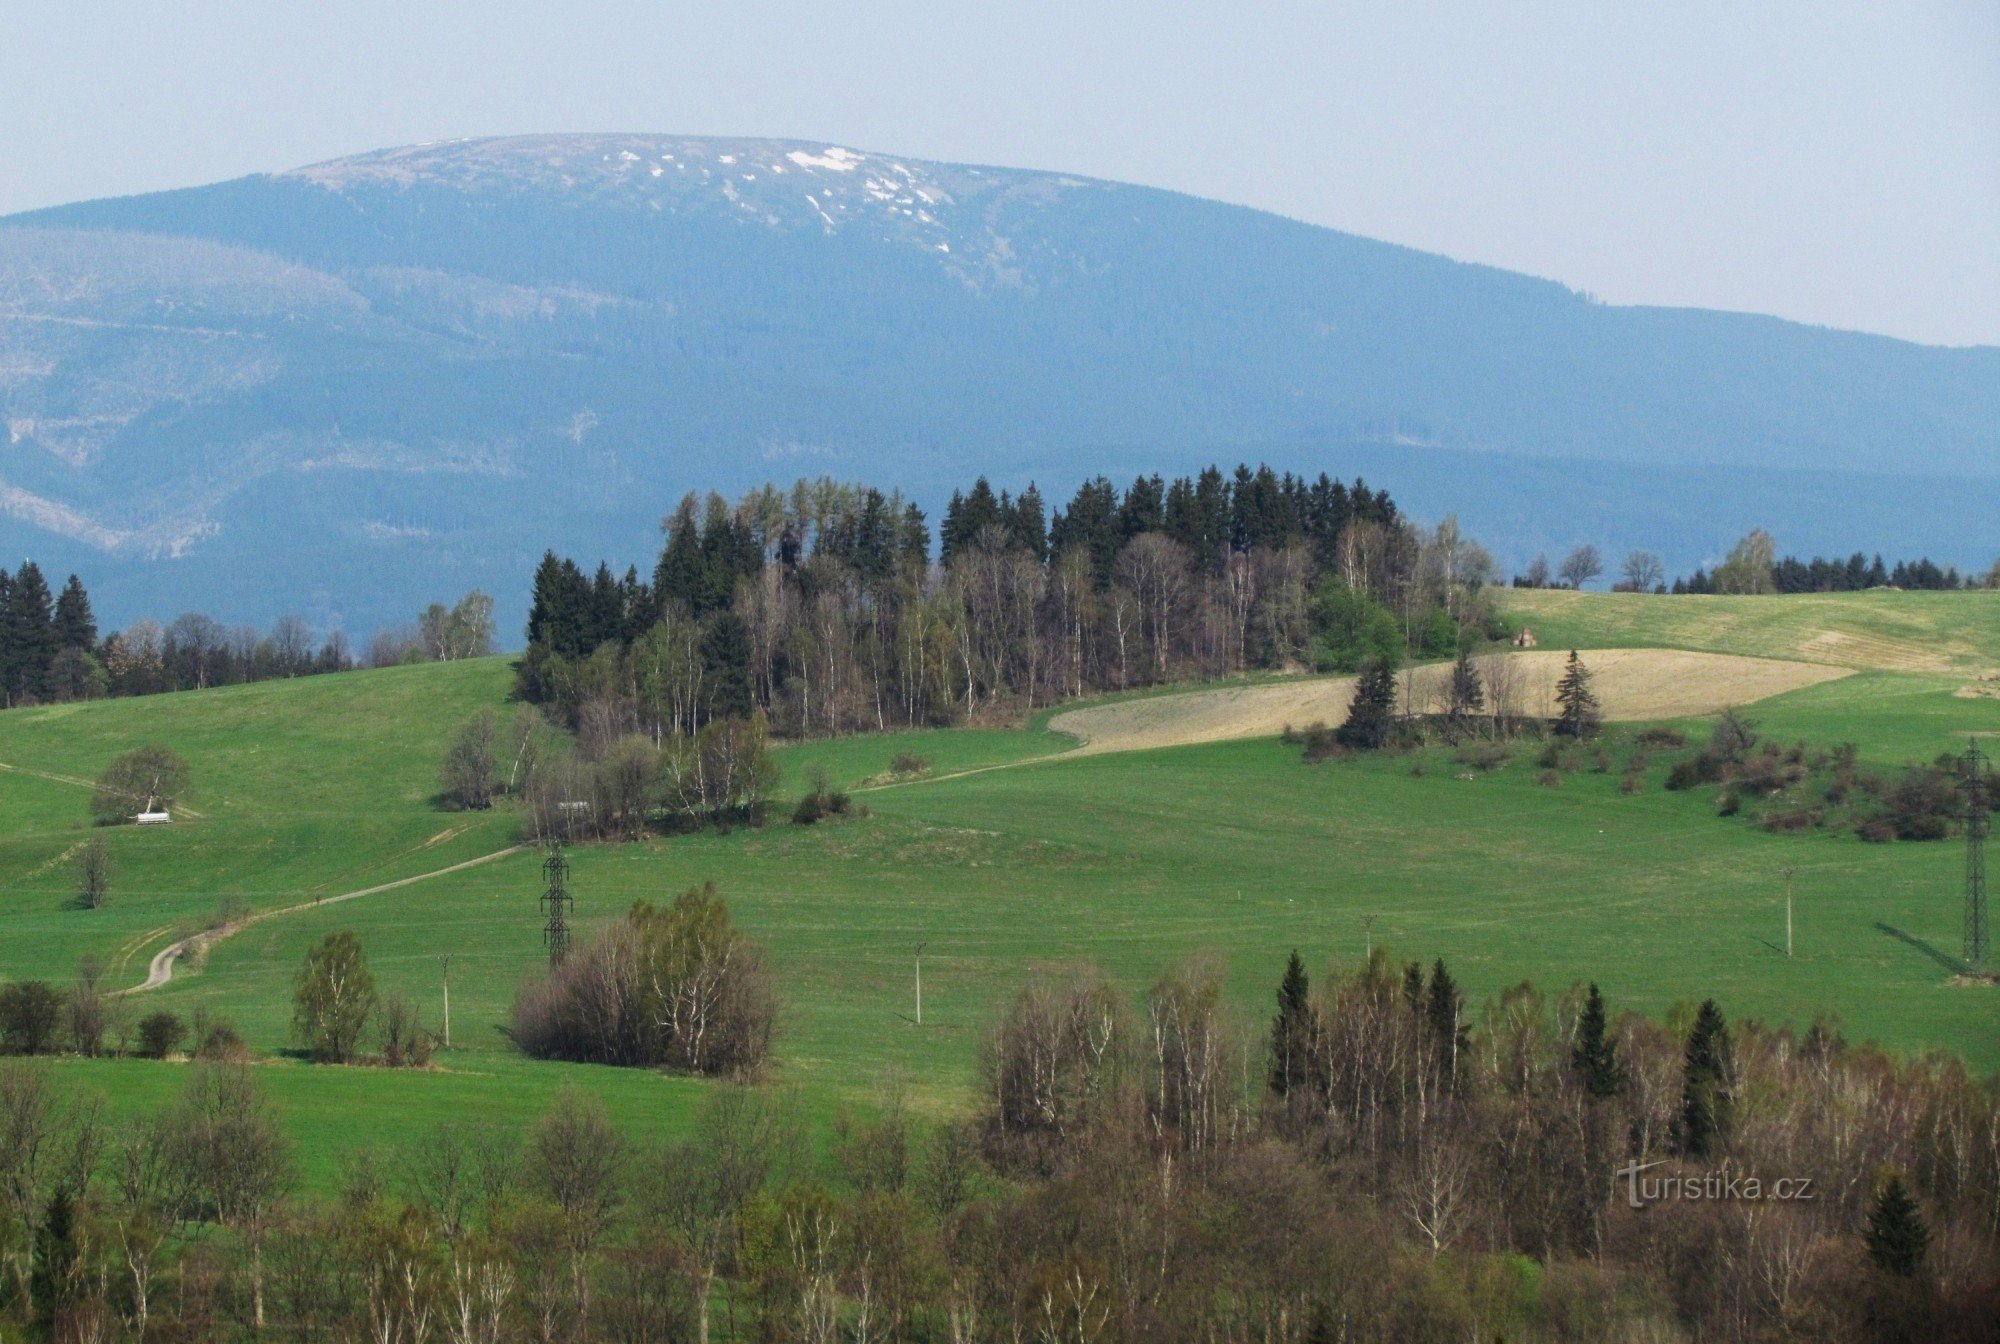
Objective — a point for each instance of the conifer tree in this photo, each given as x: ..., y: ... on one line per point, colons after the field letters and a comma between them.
x: 1706, y: 1101
x: 1413, y: 987
x: 1293, y: 1030
x: 1466, y: 694
x: 27, y: 634
x: 1595, y: 1054
x: 1898, y: 1240
x: 1577, y: 710
x: 75, y: 625
x: 1029, y: 524
x: 52, y: 1284
x: 1445, y: 1020
x: 678, y: 577
x: 1371, y: 717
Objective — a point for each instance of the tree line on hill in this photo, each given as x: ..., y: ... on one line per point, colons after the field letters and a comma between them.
x: 1381, y: 1162
x: 1753, y: 567
x: 821, y: 607
x: 50, y: 651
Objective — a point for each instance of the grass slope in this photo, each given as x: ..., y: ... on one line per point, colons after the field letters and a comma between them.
x: 1234, y: 850
x: 1881, y: 630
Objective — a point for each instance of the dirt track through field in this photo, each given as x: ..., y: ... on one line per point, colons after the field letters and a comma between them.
x: 160, y: 970
x: 1631, y: 685
x: 181, y: 808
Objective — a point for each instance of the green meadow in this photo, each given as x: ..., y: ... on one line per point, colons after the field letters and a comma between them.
x: 1006, y: 855
x: 1883, y: 629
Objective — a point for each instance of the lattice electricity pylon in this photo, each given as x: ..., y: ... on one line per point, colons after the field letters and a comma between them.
x: 556, y: 903
x: 1978, y: 822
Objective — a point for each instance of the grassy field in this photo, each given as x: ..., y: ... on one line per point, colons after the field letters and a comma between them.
x: 1881, y: 630
x: 1137, y: 860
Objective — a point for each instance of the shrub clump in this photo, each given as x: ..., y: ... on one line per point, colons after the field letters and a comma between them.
x: 820, y: 801
x: 1484, y: 755
x: 160, y: 1034
x: 674, y: 987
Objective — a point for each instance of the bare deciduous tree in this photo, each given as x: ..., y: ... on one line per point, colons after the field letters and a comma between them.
x: 1581, y: 565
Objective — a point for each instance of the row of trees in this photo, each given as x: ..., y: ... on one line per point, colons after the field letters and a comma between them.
x: 606, y: 782
x: 821, y: 607
x: 47, y: 641
x: 1753, y: 566
x: 1382, y: 1162
x: 1472, y: 697
x: 50, y: 651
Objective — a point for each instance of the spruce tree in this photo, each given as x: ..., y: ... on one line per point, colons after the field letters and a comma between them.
x: 1706, y: 1104
x: 725, y: 658
x: 1445, y: 1020
x: 27, y: 634
x: 1292, y: 1030
x: 1578, y: 714
x: 1029, y: 524
x: 1595, y: 1055
x: 1466, y: 694
x: 54, y: 1262
x: 678, y: 577
x: 1413, y: 987
x: 1897, y: 1237
x: 1371, y: 717
x: 75, y: 625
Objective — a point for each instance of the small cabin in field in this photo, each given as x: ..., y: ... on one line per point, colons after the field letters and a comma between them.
x: 1526, y: 639
x: 153, y: 818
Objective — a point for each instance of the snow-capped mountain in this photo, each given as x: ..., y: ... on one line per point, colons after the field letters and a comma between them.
x: 356, y: 386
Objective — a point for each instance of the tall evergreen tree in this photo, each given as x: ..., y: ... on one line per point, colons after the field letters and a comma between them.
x: 604, y: 618
x: 1293, y: 1031
x: 1594, y: 1057
x: 1413, y: 987
x: 1898, y: 1240
x: 1465, y: 694
x: 75, y: 625
x: 913, y: 539
x: 1707, y: 1106
x: 28, y: 638
x: 1371, y: 716
x: 1144, y: 509
x: 1444, y: 1019
x: 679, y: 577
x: 1577, y: 712
x: 1090, y: 522
x: 969, y: 517
x: 725, y: 657
x: 1030, y: 524
x: 55, y: 1260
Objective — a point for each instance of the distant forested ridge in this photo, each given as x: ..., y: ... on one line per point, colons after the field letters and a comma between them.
x: 340, y: 382
x: 822, y: 607
x: 1855, y: 574
x: 51, y: 652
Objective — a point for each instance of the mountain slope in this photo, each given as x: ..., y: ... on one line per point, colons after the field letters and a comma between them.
x: 372, y: 381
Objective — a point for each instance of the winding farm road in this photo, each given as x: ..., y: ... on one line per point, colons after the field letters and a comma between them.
x: 160, y: 969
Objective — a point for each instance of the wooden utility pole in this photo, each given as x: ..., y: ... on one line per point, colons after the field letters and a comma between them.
x: 920, y: 982
x: 445, y: 963
x: 1368, y: 940
x: 1788, y: 910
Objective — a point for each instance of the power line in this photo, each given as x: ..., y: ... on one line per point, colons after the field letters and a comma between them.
x: 556, y: 903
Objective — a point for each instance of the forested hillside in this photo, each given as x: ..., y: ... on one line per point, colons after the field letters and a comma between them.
x: 377, y: 379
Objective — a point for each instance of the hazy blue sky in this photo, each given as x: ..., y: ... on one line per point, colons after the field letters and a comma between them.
x: 1836, y: 161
